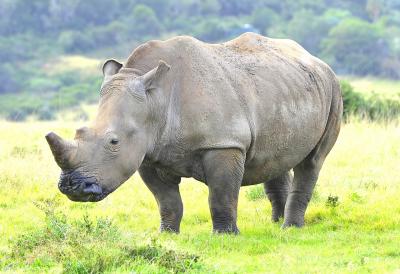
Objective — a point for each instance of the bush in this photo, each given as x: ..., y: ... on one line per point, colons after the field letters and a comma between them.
x: 332, y: 201
x: 353, y: 102
x: 374, y: 108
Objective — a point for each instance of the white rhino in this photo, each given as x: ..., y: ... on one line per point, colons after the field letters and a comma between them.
x: 243, y: 112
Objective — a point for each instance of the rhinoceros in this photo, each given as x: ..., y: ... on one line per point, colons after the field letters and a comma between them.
x: 233, y: 114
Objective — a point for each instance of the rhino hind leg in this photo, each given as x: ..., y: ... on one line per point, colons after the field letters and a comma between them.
x: 223, y: 170
x: 305, y: 178
x: 277, y: 191
x: 306, y: 172
x: 166, y: 192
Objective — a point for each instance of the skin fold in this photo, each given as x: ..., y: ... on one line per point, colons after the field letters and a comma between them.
x: 244, y: 112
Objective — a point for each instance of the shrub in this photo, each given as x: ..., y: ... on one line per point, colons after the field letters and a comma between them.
x: 353, y: 102
x: 380, y: 108
x: 332, y: 201
x: 374, y: 108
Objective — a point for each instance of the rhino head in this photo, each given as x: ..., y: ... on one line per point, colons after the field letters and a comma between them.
x: 104, y: 156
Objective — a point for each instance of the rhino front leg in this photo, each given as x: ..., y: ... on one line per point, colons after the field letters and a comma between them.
x: 223, y: 169
x: 277, y: 191
x: 168, y: 197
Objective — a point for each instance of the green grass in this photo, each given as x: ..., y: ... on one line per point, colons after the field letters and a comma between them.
x: 352, y: 223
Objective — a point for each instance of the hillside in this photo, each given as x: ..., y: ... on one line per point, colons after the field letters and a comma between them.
x: 47, y: 46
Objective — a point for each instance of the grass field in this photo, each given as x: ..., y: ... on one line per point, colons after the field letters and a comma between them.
x: 352, y: 223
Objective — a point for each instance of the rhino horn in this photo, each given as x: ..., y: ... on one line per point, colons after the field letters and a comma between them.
x: 63, y: 151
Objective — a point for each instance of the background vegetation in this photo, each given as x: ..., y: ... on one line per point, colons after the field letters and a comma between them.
x: 355, y: 37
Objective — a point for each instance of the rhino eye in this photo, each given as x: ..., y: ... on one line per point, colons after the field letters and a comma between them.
x: 114, y: 141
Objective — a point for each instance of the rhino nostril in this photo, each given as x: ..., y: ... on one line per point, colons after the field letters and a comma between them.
x: 92, y: 188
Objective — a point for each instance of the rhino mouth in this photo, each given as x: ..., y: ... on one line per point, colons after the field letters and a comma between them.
x: 80, y: 188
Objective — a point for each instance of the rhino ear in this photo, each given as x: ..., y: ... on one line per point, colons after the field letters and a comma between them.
x: 111, y: 67
x: 151, y: 78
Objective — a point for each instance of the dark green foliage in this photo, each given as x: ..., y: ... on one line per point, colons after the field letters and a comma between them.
x: 372, y: 108
x: 236, y: 7
x: 213, y: 29
x: 332, y: 201
x: 306, y: 32
x: 356, y: 47
x: 264, y: 18
x: 353, y: 102
x: 379, y: 108
x: 143, y: 22
x: 75, y: 41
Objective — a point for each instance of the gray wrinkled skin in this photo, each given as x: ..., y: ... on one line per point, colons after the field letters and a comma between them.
x: 239, y: 113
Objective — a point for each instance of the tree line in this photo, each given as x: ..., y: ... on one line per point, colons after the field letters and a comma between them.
x: 356, y: 37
